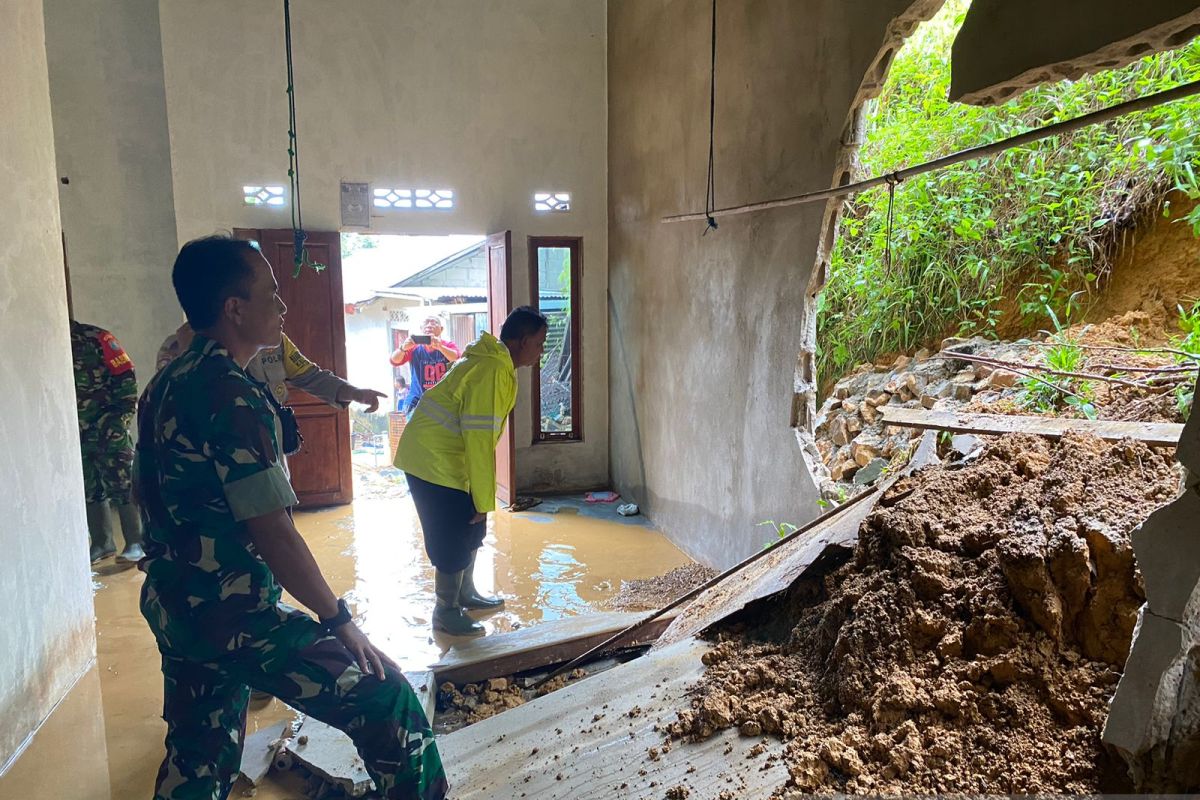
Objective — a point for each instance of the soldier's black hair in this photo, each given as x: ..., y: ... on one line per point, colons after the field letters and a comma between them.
x: 523, y: 321
x: 207, y: 272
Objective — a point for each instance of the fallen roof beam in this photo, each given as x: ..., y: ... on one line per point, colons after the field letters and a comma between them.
x: 1155, y: 434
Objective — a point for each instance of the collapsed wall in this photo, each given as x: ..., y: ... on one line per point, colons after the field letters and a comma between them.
x: 1154, y: 723
x: 973, y: 642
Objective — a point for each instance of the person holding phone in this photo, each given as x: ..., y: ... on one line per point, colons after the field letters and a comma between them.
x: 430, y: 356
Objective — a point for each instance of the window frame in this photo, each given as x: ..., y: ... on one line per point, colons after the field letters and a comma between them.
x: 575, y: 245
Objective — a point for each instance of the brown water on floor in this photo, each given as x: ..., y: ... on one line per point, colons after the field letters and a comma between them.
x: 547, y: 565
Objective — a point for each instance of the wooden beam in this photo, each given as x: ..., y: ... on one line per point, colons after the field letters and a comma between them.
x: 1155, y: 434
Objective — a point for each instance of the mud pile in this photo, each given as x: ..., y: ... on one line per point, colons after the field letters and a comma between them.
x: 649, y: 594
x: 970, y: 645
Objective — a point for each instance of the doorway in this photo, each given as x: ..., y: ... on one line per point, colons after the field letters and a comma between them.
x: 394, y: 286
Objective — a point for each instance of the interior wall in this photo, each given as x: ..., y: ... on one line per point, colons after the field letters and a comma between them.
x: 110, y: 136
x: 493, y: 99
x: 705, y: 329
x: 47, y: 640
x: 1045, y: 42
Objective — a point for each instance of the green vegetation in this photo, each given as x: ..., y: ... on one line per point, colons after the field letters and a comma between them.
x: 782, y: 531
x: 1020, y: 239
x: 1188, y: 343
x: 1049, y: 392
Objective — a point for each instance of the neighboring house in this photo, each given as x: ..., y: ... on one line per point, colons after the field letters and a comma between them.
x: 454, y: 289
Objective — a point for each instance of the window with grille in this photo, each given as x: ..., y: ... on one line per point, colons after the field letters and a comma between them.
x: 551, y: 201
x: 412, y: 198
x: 262, y: 195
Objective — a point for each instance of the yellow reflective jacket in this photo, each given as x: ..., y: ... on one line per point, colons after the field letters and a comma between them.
x: 451, y: 438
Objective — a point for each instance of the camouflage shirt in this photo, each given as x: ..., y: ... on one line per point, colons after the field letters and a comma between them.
x: 207, y: 461
x: 105, y: 388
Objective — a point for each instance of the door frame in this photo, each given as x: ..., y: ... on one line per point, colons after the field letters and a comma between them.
x: 498, y: 309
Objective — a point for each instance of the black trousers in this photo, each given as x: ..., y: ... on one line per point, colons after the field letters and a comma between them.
x: 446, y: 514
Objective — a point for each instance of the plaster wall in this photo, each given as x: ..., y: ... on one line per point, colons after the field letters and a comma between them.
x: 494, y: 100
x: 369, y: 346
x: 47, y: 640
x: 110, y: 136
x: 1044, y: 42
x: 709, y: 457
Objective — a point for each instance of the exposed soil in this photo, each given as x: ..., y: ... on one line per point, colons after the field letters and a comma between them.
x: 649, y: 594
x: 972, y: 643
x: 1157, y: 269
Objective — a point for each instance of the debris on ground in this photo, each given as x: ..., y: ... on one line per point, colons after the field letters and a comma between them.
x: 471, y: 702
x: 648, y: 594
x: 970, y: 645
x: 328, y: 757
x: 378, y: 482
x: 853, y: 446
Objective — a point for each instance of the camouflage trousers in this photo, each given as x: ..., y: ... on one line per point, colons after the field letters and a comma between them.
x: 204, y: 706
x: 107, y: 474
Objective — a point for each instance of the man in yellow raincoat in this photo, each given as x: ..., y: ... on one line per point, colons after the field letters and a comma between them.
x: 448, y: 453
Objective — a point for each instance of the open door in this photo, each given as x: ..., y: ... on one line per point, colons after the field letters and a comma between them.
x: 321, y: 471
x: 499, y: 251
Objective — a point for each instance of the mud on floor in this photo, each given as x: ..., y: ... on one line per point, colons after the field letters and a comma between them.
x: 650, y: 594
x: 972, y: 642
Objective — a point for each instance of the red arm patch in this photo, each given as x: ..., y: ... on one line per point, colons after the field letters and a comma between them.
x: 115, y: 357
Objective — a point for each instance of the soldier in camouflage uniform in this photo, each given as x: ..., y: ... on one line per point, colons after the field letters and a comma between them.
x: 209, y: 476
x: 105, y: 395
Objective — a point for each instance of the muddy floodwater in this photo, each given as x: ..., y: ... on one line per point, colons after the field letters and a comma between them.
x: 560, y: 559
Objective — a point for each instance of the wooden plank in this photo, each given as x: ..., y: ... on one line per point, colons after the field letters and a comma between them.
x: 1155, y: 434
x: 580, y: 743
x: 541, y: 645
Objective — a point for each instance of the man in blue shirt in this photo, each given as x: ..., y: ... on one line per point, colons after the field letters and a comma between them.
x: 430, y: 361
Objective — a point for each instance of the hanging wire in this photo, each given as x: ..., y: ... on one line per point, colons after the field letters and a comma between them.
x: 710, y: 195
x: 892, y: 179
x: 299, y: 248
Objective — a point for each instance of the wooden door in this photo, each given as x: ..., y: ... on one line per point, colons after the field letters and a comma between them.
x: 315, y: 321
x: 499, y: 250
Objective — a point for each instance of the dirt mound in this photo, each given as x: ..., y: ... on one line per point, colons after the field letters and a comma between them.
x: 651, y: 593
x: 972, y: 643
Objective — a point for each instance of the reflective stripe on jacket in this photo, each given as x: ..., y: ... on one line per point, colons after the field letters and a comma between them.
x: 451, y: 438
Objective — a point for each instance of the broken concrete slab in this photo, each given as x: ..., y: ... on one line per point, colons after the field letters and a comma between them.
x: 1154, y: 718
x: 871, y: 472
x: 328, y: 753
x: 1188, y: 451
x: 424, y: 684
x: 599, y: 738
x: 259, y: 750
x: 1155, y: 714
x: 963, y: 444
x: 1167, y: 546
